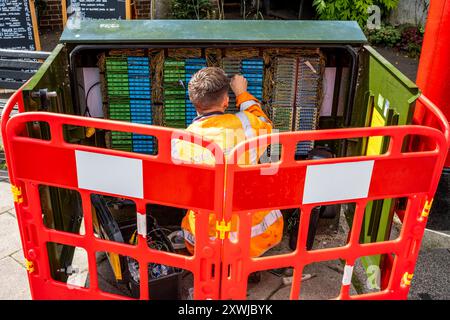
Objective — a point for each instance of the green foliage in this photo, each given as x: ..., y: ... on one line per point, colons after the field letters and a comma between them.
x: 192, y: 9
x: 251, y: 10
x: 350, y: 9
x: 422, y: 30
x: 386, y: 5
x: 386, y: 36
x: 2, y: 163
x: 407, y: 38
x: 411, y: 40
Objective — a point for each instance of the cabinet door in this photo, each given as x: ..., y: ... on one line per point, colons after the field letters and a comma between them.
x: 61, y: 207
x: 53, y: 75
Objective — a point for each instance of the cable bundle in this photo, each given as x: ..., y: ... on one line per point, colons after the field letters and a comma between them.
x: 129, y: 93
x: 231, y: 66
x: 174, y: 93
x: 140, y: 101
x: 252, y: 69
x: 284, y: 81
x: 119, y: 102
x: 296, y: 95
x: 307, y: 99
x: 192, y: 65
x: 282, y: 111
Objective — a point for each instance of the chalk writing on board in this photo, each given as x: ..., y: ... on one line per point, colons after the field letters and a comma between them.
x: 16, y: 26
x: 98, y: 9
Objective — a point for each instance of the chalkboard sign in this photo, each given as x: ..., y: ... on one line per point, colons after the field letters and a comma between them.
x: 97, y: 9
x: 18, y: 25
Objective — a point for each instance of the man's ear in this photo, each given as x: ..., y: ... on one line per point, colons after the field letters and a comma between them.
x: 198, y: 108
x: 226, y: 101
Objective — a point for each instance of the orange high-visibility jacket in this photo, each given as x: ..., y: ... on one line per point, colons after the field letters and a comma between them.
x: 227, y: 130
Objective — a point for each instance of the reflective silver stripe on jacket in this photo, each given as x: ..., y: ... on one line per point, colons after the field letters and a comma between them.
x: 260, y: 228
x: 268, y: 220
x: 263, y: 119
x: 247, y: 104
x: 190, y: 238
x: 174, y: 149
x: 249, y: 133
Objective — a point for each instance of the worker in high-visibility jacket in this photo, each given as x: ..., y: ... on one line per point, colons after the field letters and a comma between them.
x: 208, y: 91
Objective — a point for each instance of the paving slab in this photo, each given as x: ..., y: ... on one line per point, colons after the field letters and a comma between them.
x: 19, y: 257
x: 326, y: 281
x: 13, y: 280
x: 12, y: 213
x: 6, y: 198
x: 267, y: 285
x: 326, y: 275
x: 9, y: 236
x: 81, y: 266
x: 431, y: 280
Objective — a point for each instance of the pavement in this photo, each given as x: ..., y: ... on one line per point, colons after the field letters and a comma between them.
x: 13, y: 275
x: 431, y: 279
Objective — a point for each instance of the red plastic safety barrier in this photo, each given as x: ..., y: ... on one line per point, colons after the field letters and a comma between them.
x: 294, y: 184
x: 433, y: 76
x: 308, y: 184
x: 33, y: 162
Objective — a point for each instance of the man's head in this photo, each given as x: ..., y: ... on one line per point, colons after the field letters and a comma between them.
x: 208, y: 90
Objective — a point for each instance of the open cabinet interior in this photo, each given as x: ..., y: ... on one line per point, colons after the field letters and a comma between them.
x: 300, y: 87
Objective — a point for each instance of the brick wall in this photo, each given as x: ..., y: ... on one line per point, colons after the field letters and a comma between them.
x: 51, y: 16
x: 143, y: 9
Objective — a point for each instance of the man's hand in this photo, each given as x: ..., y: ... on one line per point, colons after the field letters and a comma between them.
x: 238, y: 84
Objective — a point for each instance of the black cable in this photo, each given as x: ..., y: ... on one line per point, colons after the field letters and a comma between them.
x: 87, y: 112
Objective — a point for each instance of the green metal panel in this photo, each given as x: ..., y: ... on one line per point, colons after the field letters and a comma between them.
x: 387, y: 80
x: 381, y: 81
x: 213, y: 31
x: 54, y: 76
x: 379, y: 76
x: 61, y: 207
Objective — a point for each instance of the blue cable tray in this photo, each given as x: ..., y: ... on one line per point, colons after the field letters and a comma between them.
x: 256, y: 61
x: 141, y: 107
x: 141, y: 101
x: 140, y: 115
x: 139, y: 96
x: 143, y: 143
x: 195, y: 60
x: 142, y: 136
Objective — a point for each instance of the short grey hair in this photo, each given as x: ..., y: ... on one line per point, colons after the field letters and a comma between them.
x: 207, y: 87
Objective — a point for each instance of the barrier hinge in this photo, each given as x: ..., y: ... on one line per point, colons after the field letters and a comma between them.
x: 17, y: 194
x: 427, y: 208
x: 222, y: 228
x: 407, y: 277
x: 29, y: 266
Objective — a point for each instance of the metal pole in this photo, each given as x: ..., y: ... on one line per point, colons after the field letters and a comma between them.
x: 433, y: 79
x: 433, y: 76
x: 300, y: 10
